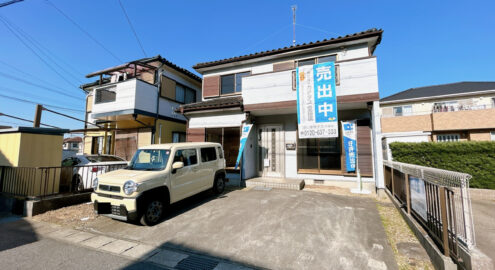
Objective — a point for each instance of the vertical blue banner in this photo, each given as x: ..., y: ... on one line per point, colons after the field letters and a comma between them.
x: 325, y: 96
x: 317, y: 101
x: 246, y: 128
x: 349, y: 130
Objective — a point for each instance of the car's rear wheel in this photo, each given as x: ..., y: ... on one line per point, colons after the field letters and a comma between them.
x: 153, y: 212
x: 219, y: 185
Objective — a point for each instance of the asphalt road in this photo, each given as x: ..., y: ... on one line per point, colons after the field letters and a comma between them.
x: 22, y: 248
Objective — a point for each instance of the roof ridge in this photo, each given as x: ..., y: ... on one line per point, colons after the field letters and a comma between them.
x: 260, y: 53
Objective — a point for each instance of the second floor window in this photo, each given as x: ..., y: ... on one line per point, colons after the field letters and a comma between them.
x: 104, y: 95
x: 232, y: 83
x: 403, y: 110
x: 184, y: 94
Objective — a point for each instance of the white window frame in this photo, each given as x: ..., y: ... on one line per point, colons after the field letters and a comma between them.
x: 492, y: 135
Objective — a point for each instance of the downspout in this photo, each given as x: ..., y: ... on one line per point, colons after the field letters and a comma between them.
x: 158, y: 77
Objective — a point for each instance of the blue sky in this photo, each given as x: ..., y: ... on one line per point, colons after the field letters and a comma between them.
x: 424, y: 43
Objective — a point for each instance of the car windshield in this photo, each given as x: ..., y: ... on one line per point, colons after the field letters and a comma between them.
x: 103, y: 158
x: 149, y: 160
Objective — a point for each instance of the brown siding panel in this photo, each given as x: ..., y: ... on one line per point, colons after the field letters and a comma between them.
x: 211, y: 86
x: 283, y: 66
x: 364, y: 150
x: 195, y: 135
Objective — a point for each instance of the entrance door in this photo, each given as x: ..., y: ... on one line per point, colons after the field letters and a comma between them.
x: 271, y: 153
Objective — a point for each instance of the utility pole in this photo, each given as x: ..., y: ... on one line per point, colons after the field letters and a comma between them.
x: 37, y: 116
x: 9, y: 3
x: 294, y: 7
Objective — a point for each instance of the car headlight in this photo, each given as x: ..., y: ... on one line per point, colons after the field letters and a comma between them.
x: 130, y: 187
x: 95, y: 183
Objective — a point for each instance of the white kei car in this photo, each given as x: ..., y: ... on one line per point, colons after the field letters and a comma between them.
x: 88, y: 167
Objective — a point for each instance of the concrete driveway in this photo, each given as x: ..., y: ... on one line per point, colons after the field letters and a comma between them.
x: 277, y: 229
x: 484, y: 225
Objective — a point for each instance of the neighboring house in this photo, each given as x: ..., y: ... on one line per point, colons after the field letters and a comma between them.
x: 134, y: 105
x: 260, y: 88
x: 73, y: 144
x: 463, y: 111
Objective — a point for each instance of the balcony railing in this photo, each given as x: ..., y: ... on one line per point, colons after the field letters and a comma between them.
x: 441, y: 109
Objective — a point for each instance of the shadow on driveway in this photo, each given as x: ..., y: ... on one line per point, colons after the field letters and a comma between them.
x: 281, y: 229
x: 15, y: 232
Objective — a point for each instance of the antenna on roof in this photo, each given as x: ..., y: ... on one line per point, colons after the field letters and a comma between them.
x: 294, y: 7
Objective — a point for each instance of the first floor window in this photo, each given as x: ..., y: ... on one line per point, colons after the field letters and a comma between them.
x: 178, y: 137
x: 318, y: 155
x: 229, y: 138
x: 492, y: 135
x: 448, y: 138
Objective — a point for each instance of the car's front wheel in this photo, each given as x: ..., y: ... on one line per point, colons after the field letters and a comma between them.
x: 219, y: 185
x: 153, y: 212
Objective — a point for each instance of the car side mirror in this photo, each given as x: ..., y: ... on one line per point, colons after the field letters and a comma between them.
x: 178, y: 165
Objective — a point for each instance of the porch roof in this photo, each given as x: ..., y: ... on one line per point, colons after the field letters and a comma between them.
x: 217, y: 103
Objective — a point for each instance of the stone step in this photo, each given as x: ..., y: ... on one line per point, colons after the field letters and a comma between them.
x: 280, y: 183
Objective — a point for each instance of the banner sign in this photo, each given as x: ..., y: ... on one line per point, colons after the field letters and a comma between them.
x: 350, y: 135
x: 418, y: 196
x: 246, y: 128
x: 317, y: 101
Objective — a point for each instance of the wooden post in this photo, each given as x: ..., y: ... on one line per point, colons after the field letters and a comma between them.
x: 105, y: 139
x: 408, y: 194
x: 112, y: 143
x: 392, y: 180
x: 445, y: 225
x: 37, y: 116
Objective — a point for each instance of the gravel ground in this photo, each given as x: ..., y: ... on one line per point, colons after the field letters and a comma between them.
x: 408, y: 252
x: 73, y: 216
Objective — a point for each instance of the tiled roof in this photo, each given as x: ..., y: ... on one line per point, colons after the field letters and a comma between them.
x: 440, y: 90
x: 359, y: 35
x: 73, y: 139
x: 217, y: 103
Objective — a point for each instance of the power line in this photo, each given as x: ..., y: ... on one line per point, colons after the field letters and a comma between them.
x: 28, y: 74
x: 84, y: 31
x: 23, y: 119
x: 38, y: 85
x: 9, y: 3
x: 132, y: 28
x: 71, y: 117
x: 33, y: 102
x: 29, y: 94
x: 269, y: 36
x: 32, y: 50
x: 50, y: 55
x: 317, y: 29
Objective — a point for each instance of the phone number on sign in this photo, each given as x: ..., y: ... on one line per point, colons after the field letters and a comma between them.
x: 319, y: 132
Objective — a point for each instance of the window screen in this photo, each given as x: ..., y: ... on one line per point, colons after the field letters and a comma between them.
x: 208, y: 154
x: 105, y: 95
x: 180, y: 94
x: 227, y: 84
x: 306, y: 62
x: 328, y: 58
x: 190, y: 96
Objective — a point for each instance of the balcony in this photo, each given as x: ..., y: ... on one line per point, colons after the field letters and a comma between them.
x: 474, y: 117
x: 355, y: 78
x: 127, y: 99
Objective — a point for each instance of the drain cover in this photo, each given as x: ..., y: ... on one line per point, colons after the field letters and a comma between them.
x: 196, y: 263
x: 262, y: 188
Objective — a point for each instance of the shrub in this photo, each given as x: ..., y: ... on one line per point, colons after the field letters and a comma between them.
x: 474, y: 158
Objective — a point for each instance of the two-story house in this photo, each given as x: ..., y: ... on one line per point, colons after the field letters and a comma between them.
x: 260, y: 89
x: 133, y: 105
x: 462, y: 111
x: 73, y: 144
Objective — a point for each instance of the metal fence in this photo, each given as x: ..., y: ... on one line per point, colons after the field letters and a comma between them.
x: 447, y: 213
x: 40, y: 182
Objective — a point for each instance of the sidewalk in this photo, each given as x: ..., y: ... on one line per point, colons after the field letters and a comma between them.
x: 130, y: 254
